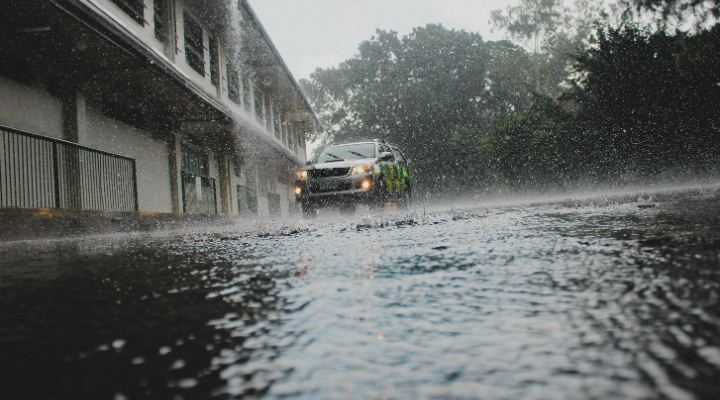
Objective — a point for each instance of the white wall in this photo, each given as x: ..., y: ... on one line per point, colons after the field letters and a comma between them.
x: 150, y: 153
x: 31, y: 109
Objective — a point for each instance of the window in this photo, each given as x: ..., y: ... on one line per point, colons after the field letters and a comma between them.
x: 386, y: 149
x: 134, y: 8
x: 246, y: 92
x: 194, y: 161
x: 355, y: 151
x: 161, y: 17
x: 194, y: 54
x: 233, y: 88
x: 215, y: 63
x: 398, y: 155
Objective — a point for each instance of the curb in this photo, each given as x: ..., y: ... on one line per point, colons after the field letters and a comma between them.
x: 28, y: 223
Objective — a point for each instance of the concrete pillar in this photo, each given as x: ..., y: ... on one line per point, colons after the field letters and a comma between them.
x: 75, y: 117
x: 175, y: 162
x: 171, y: 47
x: 74, y: 130
x: 213, y: 172
x: 263, y: 108
x: 224, y: 179
x: 251, y: 89
x: 179, y: 37
x: 243, y: 87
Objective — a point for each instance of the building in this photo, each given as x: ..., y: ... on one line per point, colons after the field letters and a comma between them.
x: 180, y: 106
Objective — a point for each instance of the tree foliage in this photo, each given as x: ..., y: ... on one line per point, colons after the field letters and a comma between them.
x: 701, y: 10
x: 552, y: 32
x: 647, y: 103
x: 653, y: 93
x: 417, y: 91
x: 531, y: 22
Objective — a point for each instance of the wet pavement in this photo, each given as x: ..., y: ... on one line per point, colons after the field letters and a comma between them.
x: 586, y: 298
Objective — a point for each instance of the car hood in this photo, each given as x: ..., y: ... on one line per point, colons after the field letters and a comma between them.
x: 342, y: 164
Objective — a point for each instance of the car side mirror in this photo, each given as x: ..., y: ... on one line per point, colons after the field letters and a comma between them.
x: 385, y: 156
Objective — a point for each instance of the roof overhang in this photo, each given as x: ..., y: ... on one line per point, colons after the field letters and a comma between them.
x: 92, y: 16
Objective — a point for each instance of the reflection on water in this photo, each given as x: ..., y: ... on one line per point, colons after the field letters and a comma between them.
x: 596, y: 298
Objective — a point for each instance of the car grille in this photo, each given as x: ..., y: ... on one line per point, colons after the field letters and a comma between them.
x: 328, y: 172
x: 329, y: 185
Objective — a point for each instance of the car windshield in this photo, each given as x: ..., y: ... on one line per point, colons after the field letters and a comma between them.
x: 347, y: 152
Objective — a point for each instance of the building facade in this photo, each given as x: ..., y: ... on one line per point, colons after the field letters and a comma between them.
x: 180, y: 106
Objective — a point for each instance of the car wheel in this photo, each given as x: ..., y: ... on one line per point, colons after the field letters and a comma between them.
x: 348, y: 209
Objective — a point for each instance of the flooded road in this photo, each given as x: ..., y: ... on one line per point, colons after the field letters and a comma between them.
x: 587, y: 298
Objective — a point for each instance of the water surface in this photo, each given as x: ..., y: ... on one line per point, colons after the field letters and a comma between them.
x: 604, y: 297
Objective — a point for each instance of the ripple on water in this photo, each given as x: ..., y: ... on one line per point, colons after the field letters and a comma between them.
x: 597, y: 300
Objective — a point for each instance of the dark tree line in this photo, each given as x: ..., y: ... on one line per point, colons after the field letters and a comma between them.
x: 628, y: 102
x: 646, y: 104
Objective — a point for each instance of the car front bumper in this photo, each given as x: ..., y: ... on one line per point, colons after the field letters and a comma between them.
x: 352, y: 192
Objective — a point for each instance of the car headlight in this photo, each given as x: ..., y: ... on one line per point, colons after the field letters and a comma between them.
x: 360, y: 169
x: 302, y: 175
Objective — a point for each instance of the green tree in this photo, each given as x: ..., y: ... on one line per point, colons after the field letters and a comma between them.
x: 415, y: 92
x: 544, y: 146
x: 700, y: 10
x: 552, y: 32
x: 657, y: 106
x: 530, y: 22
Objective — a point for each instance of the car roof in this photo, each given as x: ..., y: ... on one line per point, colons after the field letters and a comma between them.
x: 346, y: 144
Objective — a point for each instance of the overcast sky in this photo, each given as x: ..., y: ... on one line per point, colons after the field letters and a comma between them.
x: 322, y: 33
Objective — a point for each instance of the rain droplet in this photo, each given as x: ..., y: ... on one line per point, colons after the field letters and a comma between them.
x: 178, y: 364
x: 187, y: 383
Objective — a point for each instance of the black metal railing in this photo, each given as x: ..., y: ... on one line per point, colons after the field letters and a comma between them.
x: 38, y: 171
x: 198, y: 193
